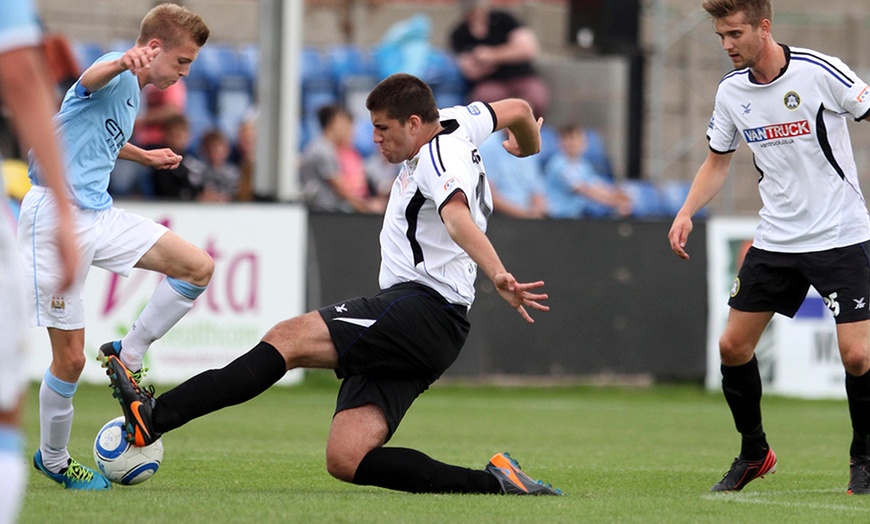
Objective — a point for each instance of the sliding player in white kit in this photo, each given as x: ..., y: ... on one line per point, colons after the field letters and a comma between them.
x: 790, y: 106
x: 388, y: 348
x: 95, y: 120
x: 28, y: 97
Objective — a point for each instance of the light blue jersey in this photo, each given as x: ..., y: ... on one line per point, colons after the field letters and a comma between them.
x: 19, y: 26
x: 92, y: 129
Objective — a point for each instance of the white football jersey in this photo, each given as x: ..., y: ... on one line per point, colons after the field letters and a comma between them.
x: 415, y: 245
x: 797, y: 129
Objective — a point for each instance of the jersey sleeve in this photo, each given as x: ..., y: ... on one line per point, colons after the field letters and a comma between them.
x: 19, y: 26
x: 849, y: 94
x: 722, y: 133
x: 448, y: 171
x: 107, y: 89
x: 477, y: 120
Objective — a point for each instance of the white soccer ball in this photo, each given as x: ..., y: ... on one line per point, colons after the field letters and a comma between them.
x: 122, y: 462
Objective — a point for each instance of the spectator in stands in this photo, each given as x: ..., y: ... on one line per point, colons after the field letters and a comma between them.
x: 325, y: 187
x: 573, y: 187
x: 160, y: 106
x: 243, y: 155
x: 380, y: 175
x: 517, y: 184
x: 185, y: 181
x: 220, y: 178
x: 495, y: 52
x: 130, y: 179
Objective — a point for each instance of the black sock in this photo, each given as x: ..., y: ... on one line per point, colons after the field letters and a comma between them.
x: 742, y: 388
x: 239, y: 381
x: 409, y: 470
x: 858, y: 393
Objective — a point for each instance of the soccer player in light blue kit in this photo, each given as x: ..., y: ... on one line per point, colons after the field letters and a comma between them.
x: 27, y: 94
x: 94, y: 123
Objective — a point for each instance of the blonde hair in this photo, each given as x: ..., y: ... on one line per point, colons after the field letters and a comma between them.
x: 172, y: 24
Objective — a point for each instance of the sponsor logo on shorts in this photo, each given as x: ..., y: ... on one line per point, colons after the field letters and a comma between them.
x: 860, y: 303
x: 777, y: 131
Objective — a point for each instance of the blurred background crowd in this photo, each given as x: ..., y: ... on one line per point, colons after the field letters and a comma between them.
x: 624, y: 87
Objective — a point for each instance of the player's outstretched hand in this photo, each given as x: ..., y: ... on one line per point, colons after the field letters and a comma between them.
x: 519, y: 294
x: 163, y: 158
x: 139, y: 58
x: 679, y: 234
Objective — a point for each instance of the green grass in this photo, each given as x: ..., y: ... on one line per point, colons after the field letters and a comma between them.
x: 620, y: 455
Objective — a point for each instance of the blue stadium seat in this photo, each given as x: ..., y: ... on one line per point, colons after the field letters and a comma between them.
x: 646, y: 199
x: 445, y: 78
x: 200, y: 112
x: 362, y: 137
x: 87, y: 53
x: 314, y: 69
x: 549, y: 144
x: 344, y: 61
x: 250, y: 61
x: 312, y: 100
x: 121, y: 44
x: 674, y: 193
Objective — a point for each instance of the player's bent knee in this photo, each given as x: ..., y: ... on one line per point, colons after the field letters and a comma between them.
x: 342, y: 464
x: 856, y: 362
x: 732, y: 353
x: 203, y: 269
x: 74, y: 363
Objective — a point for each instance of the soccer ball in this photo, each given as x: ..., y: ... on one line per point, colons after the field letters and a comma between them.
x: 122, y: 462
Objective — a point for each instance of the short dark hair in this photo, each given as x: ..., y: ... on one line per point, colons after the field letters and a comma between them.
x: 754, y: 10
x: 326, y: 114
x: 402, y: 95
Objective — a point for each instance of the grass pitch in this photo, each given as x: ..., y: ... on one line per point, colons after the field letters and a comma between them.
x: 620, y: 455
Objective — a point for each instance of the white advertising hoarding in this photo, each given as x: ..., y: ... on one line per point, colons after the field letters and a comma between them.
x: 259, y: 280
x: 796, y: 356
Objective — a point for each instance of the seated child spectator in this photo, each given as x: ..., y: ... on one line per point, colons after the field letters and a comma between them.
x: 220, y: 178
x: 185, y: 181
x: 517, y: 183
x: 573, y: 187
x: 332, y: 174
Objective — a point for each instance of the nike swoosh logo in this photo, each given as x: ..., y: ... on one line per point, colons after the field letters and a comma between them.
x: 130, y: 102
x: 511, y: 474
x: 134, y: 407
x: 364, y: 322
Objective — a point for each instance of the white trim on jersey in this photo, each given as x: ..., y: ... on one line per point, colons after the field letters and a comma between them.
x: 797, y: 130
x: 415, y: 245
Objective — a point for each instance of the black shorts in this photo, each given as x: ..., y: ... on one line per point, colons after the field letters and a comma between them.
x: 393, y: 345
x: 779, y: 282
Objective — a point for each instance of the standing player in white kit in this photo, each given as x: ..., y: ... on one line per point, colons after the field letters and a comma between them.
x: 790, y: 106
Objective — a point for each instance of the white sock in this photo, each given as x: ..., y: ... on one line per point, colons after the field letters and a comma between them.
x: 14, y: 476
x: 163, y: 310
x: 55, y: 421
